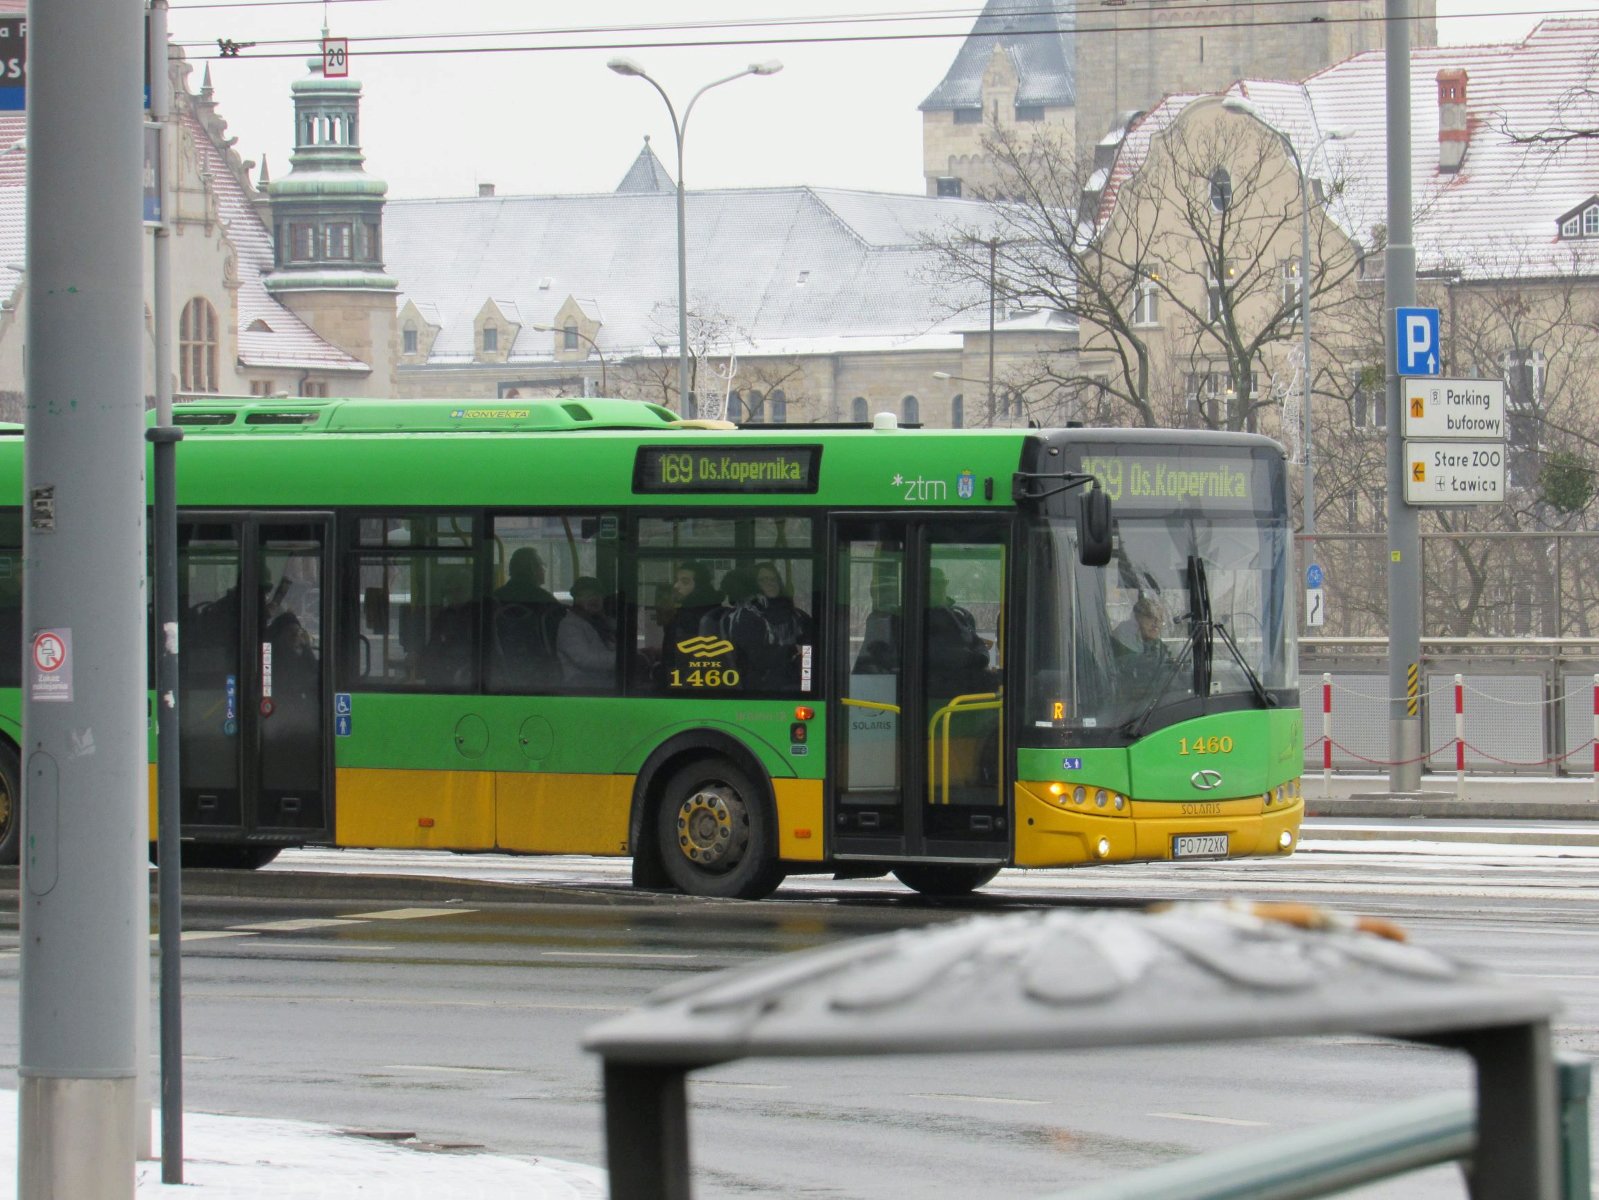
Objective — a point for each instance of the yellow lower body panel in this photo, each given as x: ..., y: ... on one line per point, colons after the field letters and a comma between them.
x: 1048, y: 835
x: 800, y: 826
x: 544, y: 813
x: 415, y: 810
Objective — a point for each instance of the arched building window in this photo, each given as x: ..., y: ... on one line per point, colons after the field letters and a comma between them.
x: 857, y: 410
x: 197, y: 347
x: 957, y: 412
x: 910, y: 410
x: 754, y: 406
x: 777, y: 407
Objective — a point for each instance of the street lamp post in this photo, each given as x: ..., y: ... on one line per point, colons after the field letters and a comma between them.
x: 626, y: 66
x: 604, y: 387
x: 1238, y: 104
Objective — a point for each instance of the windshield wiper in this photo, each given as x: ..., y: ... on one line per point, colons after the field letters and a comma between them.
x: 1203, y: 628
x: 1261, y: 694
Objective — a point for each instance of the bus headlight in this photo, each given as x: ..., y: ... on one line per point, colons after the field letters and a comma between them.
x: 1100, y: 797
x: 1285, y: 839
x: 1103, y: 848
x: 1079, y: 794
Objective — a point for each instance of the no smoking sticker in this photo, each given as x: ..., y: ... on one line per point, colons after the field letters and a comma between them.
x: 51, y: 663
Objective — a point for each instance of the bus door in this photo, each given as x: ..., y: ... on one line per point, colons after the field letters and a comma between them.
x: 253, y: 700
x: 918, y: 685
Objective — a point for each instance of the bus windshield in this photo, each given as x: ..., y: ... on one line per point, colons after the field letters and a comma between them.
x: 1191, y: 614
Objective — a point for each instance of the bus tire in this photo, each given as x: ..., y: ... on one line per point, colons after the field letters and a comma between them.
x: 10, y: 806
x: 717, y: 834
x: 945, y: 879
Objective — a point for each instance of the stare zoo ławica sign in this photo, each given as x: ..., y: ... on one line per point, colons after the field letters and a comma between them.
x: 1454, y: 440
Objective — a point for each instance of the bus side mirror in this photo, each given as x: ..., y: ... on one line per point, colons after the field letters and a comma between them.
x: 1093, y: 527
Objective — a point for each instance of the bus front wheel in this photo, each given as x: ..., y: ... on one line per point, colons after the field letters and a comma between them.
x: 10, y: 806
x: 945, y: 879
x: 716, y: 836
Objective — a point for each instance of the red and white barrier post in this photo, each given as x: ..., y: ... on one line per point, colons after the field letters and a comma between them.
x: 1326, y: 732
x: 1460, y: 737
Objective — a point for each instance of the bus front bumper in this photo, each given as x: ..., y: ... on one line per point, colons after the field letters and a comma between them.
x: 1052, y: 834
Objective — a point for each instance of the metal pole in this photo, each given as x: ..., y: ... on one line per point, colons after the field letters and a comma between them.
x: 83, y: 900
x: 682, y: 268
x: 165, y: 437
x: 1309, y: 476
x: 1404, y: 542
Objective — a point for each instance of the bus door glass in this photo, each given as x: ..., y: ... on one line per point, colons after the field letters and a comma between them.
x: 252, y: 700
x: 210, y: 678
x: 289, y: 684
x: 962, y: 685
x: 920, y: 670
x: 871, y: 581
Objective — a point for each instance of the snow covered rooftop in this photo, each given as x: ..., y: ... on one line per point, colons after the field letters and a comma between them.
x: 1038, y: 39
x: 778, y: 267
x: 1496, y: 217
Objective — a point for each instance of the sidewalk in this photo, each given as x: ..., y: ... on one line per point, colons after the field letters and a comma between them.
x: 241, y: 1158
x: 1489, y: 798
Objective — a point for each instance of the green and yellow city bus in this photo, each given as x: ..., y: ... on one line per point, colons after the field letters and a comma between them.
x: 584, y: 626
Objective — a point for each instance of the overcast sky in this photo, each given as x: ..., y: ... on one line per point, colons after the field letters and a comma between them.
x: 533, y: 119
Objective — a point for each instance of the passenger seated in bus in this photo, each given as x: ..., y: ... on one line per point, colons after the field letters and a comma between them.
x: 525, y: 623
x: 586, y: 640
x: 694, y: 598
x: 524, y: 582
x: 957, y: 658
x: 767, y: 631
x: 447, y: 658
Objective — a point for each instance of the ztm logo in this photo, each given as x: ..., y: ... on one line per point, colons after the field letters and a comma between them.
x: 705, y: 647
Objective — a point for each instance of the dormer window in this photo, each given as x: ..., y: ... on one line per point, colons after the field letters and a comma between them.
x: 491, y: 339
x: 1582, y: 221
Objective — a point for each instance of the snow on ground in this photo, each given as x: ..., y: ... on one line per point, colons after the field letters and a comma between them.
x: 242, y: 1158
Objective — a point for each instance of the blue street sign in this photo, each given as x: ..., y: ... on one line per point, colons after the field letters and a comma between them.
x: 1416, y: 339
x: 1313, y: 575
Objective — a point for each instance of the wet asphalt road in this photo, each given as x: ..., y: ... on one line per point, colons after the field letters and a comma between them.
x: 454, y: 1009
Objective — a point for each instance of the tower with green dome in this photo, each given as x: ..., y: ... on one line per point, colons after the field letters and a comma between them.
x: 327, y: 226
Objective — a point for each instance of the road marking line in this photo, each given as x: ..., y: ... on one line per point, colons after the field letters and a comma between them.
x: 409, y: 914
x: 295, y: 925
x: 1204, y: 1120
x: 1531, y: 975
x: 206, y: 935
x: 733, y: 1083
x: 443, y: 1070
x: 612, y: 954
x: 978, y: 1099
x: 331, y: 947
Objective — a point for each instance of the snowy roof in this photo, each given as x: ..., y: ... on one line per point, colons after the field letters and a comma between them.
x: 778, y: 266
x: 646, y: 174
x: 1038, y: 39
x: 1493, y: 218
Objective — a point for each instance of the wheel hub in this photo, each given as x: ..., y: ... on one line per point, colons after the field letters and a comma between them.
x: 713, y: 828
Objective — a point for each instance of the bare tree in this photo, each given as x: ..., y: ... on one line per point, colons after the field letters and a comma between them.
x: 1180, y: 273
x: 713, y: 358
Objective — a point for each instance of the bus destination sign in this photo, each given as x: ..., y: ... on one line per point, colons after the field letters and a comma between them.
x: 1136, y: 478
x: 727, y: 470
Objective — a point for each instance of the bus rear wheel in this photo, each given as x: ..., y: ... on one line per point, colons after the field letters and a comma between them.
x: 945, y: 879
x: 10, y: 806
x: 716, y: 835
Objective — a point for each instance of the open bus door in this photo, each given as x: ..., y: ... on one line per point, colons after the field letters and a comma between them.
x: 917, y: 764
x: 253, y: 682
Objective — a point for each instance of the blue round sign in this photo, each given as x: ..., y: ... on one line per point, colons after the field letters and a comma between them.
x: 1313, y: 575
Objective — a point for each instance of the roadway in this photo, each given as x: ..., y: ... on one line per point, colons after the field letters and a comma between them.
x: 446, y: 996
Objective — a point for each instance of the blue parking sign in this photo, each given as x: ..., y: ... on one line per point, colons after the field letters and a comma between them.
x: 1416, y: 340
